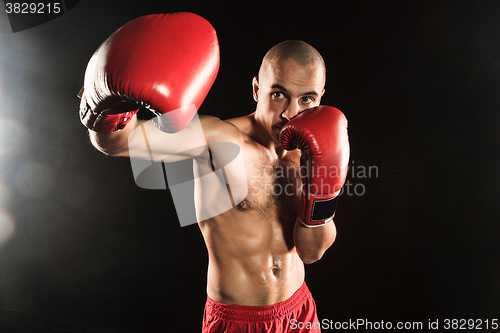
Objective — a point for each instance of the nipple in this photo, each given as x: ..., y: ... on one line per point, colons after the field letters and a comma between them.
x: 242, y: 205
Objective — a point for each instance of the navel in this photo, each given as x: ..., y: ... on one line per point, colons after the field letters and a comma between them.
x: 277, y: 271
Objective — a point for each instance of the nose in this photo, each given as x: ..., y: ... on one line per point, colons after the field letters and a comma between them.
x: 292, y: 110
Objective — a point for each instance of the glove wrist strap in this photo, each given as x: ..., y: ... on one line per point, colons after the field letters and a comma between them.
x: 317, y: 210
x: 103, y: 122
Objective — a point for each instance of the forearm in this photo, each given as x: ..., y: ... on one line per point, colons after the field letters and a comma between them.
x: 311, y: 243
x: 141, y: 139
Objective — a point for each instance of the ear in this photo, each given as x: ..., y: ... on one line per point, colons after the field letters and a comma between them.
x: 255, y: 88
x: 321, y: 95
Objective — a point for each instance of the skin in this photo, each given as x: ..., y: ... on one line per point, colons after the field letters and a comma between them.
x: 257, y: 249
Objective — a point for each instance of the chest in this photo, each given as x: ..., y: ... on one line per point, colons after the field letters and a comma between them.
x: 274, y: 185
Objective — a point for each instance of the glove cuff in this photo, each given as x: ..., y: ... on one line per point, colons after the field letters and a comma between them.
x: 317, y: 210
x: 102, y: 122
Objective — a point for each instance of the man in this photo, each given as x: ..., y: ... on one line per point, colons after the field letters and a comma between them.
x: 258, y: 248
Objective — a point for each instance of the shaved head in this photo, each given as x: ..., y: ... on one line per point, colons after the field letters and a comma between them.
x: 299, y: 51
x: 291, y: 80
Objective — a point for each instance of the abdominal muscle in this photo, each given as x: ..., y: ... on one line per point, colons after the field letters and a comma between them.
x: 252, y: 259
x: 252, y: 256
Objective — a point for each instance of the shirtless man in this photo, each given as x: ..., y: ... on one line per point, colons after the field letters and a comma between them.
x: 258, y: 248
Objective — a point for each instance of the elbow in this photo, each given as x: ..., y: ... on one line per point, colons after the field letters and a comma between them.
x: 311, y: 260
x: 311, y: 243
x: 309, y: 257
x: 313, y: 252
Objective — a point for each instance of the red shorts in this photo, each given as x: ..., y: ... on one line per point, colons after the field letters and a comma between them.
x: 296, y: 314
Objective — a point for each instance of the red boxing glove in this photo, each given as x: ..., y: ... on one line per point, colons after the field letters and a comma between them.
x: 165, y: 63
x: 321, y: 134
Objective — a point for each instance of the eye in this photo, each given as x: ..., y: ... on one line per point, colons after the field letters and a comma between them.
x: 307, y: 99
x: 277, y: 95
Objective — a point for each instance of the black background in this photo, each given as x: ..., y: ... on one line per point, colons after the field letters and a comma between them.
x: 418, y: 82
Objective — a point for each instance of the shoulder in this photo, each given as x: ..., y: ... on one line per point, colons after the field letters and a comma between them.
x: 245, y: 124
x: 232, y: 130
x: 217, y: 130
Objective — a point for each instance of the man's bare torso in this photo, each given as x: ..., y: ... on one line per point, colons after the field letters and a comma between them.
x: 252, y: 257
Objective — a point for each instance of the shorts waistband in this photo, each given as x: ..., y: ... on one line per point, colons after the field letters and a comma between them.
x: 260, y: 313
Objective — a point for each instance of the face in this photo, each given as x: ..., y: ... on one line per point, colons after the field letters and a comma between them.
x: 284, y: 90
